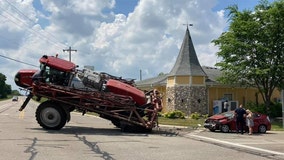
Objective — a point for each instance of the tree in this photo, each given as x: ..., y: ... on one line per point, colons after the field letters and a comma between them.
x: 5, y: 89
x: 3, y: 93
x: 161, y: 74
x: 15, y: 92
x: 252, y: 48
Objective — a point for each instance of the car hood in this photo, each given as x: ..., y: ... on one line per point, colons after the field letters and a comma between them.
x: 217, y: 117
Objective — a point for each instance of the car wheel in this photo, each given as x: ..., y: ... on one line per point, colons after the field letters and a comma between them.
x: 262, y: 128
x: 225, y: 128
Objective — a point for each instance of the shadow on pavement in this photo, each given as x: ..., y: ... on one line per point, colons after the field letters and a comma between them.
x: 79, y: 130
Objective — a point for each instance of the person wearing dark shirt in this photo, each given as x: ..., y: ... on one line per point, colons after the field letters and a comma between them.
x: 240, y: 114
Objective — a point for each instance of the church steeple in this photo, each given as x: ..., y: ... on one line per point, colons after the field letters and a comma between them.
x: 187, y: 62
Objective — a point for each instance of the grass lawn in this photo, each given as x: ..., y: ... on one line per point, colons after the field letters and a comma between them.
x: 8, y: 97
x: 277, y: 126
x: 181, y: 122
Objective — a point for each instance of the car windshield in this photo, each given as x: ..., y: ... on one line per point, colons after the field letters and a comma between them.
x: 228, y: 114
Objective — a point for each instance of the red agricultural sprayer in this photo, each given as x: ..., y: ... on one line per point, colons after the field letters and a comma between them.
x: 68, y: 89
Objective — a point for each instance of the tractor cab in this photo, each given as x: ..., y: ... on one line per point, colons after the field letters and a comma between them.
x: 54, y: 70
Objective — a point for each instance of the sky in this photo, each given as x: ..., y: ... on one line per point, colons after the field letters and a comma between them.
x: 120, y: 37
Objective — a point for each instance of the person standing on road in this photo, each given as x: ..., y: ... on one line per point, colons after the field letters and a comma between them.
x: 226, y: 106
x: 249, y: 121
x: 240, y: 115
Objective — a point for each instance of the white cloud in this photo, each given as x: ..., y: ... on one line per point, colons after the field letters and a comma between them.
x: 91, y: 7
x: 149, y: 38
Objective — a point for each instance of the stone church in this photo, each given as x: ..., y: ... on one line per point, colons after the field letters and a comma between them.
x: 190, y: 87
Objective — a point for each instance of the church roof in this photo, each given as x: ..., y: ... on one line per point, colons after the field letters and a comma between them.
x: 187, y: 62
x: 161, y: 80
x: 211, y: 72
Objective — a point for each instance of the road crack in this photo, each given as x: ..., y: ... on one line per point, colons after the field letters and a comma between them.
x: 95, y: 148
x: 31, y: 149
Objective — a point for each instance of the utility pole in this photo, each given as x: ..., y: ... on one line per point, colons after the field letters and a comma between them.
x: 282, y: 101
x: 69, y: 50
x: 140, y: 75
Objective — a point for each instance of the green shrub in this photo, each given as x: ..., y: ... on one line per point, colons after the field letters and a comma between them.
x: 205, y: 116
x: 275, y: 110
x: 254, y: 108
x: 195, y: 115
x: 175, y: 114
x: 160, y: 114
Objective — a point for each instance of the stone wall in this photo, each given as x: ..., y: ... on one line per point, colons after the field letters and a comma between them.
x: 188, y: 99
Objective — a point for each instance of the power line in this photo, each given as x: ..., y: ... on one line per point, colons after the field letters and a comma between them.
x: 17, y: 60
x: 9, y: 16
x: 48, y: 36
x: 31, y: 30
x: 14, y: 19
x: 12, y: 41
x: 19, y: 11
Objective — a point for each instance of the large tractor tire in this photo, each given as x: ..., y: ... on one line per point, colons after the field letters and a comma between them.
x: 132, y: 128
x: 51, y: 116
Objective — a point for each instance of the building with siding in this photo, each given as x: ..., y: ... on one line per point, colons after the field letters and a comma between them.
x: 190, y: 87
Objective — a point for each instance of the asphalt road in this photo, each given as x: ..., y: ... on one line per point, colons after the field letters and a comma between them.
x: 89, y: 137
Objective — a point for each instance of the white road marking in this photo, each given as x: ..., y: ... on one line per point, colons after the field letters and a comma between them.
x: 235, y: 144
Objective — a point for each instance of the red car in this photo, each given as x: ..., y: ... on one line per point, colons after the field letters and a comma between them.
x: 226, y: 122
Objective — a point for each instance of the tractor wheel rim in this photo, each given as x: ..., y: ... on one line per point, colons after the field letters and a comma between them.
x: 50, y: 117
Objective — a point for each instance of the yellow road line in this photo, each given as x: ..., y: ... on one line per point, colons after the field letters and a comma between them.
x: 22, y: 115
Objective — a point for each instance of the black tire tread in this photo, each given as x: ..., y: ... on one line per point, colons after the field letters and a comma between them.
x: 55, y: 106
